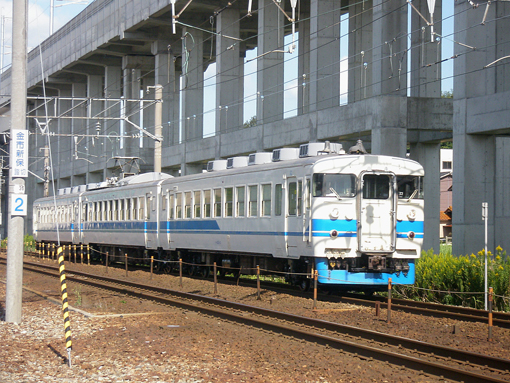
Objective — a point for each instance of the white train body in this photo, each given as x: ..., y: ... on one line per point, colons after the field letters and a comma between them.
x: 356, y: 219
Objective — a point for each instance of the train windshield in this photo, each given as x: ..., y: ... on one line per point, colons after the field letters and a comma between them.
x: 410, y: 187
x: 334, y: 185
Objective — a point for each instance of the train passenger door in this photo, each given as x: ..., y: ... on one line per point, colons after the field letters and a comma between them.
x: 376, y: 232
x: 294, y: 221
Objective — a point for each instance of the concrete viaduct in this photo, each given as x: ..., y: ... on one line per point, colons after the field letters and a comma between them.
x: 91, y: 78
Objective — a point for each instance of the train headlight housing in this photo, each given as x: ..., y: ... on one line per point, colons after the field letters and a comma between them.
x: 335, y: 213
x: 410, y: 235
x: 412, y: 215
x: 333, y: 233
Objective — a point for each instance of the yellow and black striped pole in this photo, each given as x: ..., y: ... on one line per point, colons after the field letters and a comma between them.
x: 65, y: 303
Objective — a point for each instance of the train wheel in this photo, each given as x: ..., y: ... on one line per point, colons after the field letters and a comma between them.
x: 202, y: 271
x: 304, y: 284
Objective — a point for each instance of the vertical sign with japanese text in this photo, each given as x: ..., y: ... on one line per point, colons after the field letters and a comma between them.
x: 19, y: 143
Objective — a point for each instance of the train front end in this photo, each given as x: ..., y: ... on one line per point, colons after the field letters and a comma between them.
x: 367, y: 221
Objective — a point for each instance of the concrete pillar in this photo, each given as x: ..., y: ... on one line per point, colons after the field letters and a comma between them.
x: 324, y: 54
x: 502, y: 202
x: 270, y: 66
x: 65, y: 126
x: 360, y: 50
x: 113, y: 89
x: 95, y: 109
x: 479, y: 173
x: 303, y: 78
x: 131, y: 92
x: 389, y: 132
x: 473, y: 183
x: 192, y: 84
x: 79, y: 126
x: 229, y: 80
x: 425, y: 78
x: 389, y: 57
x: 165, y: 75
x: 428, y: 156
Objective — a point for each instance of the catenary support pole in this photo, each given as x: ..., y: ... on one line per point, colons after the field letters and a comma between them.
x: 15, y: 227
x: 158, y: 118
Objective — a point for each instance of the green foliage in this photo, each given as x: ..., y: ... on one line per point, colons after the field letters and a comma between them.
x: 251, y: 122
x: 447, y: 94
x: 447, y: 145
x: 464, y: 274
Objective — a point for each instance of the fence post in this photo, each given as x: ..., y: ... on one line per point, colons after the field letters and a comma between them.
x: 152, y: 264
x: 180, y: 272
x: 315, y: 277
x: 106, y: 262
x: 490, y: 313
x: 126, y: 262
x: 88, y: 251
x: 65, y: 304
x: 215, y: 279
x: 258, y: 282
x: 389, y: 300
x: 74, y: 249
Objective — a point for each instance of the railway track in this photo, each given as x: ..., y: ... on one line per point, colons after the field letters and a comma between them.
x: 445, y: 362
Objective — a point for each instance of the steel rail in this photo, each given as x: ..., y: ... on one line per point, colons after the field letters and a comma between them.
x: 480, y: 360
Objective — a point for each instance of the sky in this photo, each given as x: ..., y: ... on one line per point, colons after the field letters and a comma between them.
x: 65, y: 10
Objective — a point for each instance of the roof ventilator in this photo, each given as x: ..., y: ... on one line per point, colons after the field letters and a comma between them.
x: 284, y: 154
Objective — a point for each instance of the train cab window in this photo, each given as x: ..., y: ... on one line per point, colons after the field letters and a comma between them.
x: 197, y: 203
x: 187, y: 204
x: 207, y: 204
x: 410, y: 187
x: 178, y: 205
x: 240, y: 198
x: 278, y: 199
x: 253, y: 207
x: 376, y: 186
x: 292, y: 194
x: 171, y: 207
x: 229, y: 201
x: 266, y: 200
x: 334, y: 185
x: 217, y: 202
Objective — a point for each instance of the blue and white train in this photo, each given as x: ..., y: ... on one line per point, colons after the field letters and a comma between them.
x: 355, y: 218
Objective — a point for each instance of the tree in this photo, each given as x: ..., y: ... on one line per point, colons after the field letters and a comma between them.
x: 251, y: 122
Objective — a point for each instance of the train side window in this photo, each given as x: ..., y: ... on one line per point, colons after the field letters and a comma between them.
x: 197, y: 203
x: 111, y: 209
x: 121, y: 210
x: 217, y: 202
x: 150, y: 205
x: 229, y: 201
x: 278, y: 199
x: 134, y: 209
x: 163, y: 201
x: 299, y: 197
x: 171, y: 207
x: 292, y: 194
x: 178, y: 205
x: 128, y: 209
x: 266, y: 200
x: 240, y: 198
x: 187, y: 204
x: 207, y: 204
x: 253, y: 201
x: 141, y: 208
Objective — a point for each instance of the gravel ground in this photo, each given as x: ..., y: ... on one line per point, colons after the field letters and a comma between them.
x: 129, y: 340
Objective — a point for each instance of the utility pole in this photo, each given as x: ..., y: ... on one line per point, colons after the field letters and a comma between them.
x: 18, y: 163
x: 158, y: 119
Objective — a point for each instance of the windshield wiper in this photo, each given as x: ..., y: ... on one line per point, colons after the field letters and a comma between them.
x: 335, y: 193
x: 413, y: 195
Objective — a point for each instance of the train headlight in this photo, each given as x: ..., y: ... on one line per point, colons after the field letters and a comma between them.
x: 335, y: 213
x: 333, y: 233
x: 410, y: 235
x: 412, y: 215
